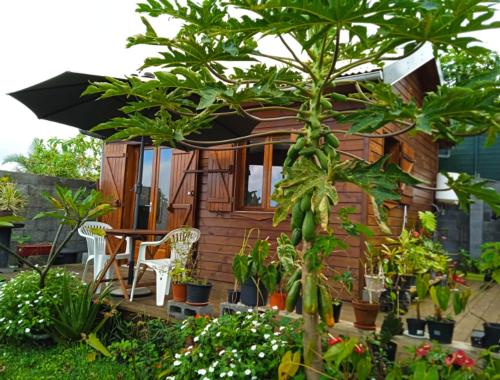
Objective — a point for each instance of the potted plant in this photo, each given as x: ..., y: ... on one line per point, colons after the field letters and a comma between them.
x: 416, y: 326
x: 198, y: 292
x: 239, y: 273
x: 382, y: 345
x: 180, y: 277
x: 345, y: 281
x: 256, y: 276
x: 441, y: 326
x: 489, y: 265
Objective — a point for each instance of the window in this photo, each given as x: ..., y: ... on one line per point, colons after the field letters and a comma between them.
x: 263, y: 167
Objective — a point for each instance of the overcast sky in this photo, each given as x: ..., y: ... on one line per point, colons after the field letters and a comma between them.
x: 41, y: 39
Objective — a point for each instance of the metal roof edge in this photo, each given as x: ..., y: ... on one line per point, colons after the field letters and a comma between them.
x: 397, y: 70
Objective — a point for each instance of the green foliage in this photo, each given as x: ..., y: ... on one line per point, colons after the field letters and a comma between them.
x: 489, y: 261
x: 348, y: 359
x: 12, y: 199
x: 77, y: 157
x: 75, y: 362
x: 238, y: 345
x: 25, y: 308
x: 78, y: 313
x: 428, y: 221
x: 466, y: 185
x: 74, y: 208
x: 459, y: 66
x: 441, y: 296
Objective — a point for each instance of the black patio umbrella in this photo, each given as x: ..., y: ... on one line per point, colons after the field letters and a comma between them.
x: 59, y: 99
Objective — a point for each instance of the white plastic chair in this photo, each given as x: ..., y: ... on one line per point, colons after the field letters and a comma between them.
x: 96, y: 246
x: 181, y: 242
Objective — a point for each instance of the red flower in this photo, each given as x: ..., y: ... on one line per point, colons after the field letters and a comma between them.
x: 416, y: 234
x: 359, y: 349
x: 450, y: 359
x: 469, y: 363
x: 333, y: 341
x: 458, y: 279
x: 460, y: 357
x: 423, y: 350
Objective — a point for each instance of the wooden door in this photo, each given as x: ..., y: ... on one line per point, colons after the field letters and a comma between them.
x: 183, y: 187
x: 112, y: 181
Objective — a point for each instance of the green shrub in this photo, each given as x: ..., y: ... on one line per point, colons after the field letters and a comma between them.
x: 241, y: 345
x: 26, y: 309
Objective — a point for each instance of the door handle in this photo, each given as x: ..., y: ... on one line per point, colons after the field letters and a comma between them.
x: 190, y: 193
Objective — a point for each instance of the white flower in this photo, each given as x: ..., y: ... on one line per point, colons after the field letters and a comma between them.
x: 183, y: 327
x: 218, y: 334
x: 205, y: 378
x: 221, y: 352
x: 2, y: 319
x: 200, y: 354
x: 261, y: 355
x: 41, y: 320
x: 249, y: 316
x: 276, y: 333
x: 203, y: 333
x: 253, y: 347
x: 254, y: 377
x: 267, y: 336
x: 210, y: 369
x: 232, y: 366
x: 234, y: 350
x: 20, y: 321
x: 27, y: 330
x: 248, y: 372
x: 187, y: 353
x: 177, y: 363
x: 273, y: 341
x: 215, y: 363
x: 230, y: 374
x: 275, y: 347
x: 250, y: 310
x: 190, y: 347
x: 170, y: 378
x: 196, y: 339
x: 177, y: 356
x: 222, y: 374
x: 202, y: 371
x: 238, y: 312
x: 253, y: 330
x: 282, y: 328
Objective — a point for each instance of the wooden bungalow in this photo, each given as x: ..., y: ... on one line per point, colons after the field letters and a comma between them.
x: 225, y: 192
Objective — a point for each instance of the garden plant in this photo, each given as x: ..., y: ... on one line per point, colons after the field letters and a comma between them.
x: 217, y: 65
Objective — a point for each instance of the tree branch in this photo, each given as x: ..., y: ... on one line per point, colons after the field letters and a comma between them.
x: 284, y: 60
x: 237, y: 147
x: 302, y: 64
x: 335, y: 57
x: 244, y: 138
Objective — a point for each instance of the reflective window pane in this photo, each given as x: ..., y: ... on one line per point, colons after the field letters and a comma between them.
x: 279, y: 155
x: 254, y: 176
x: 163, y: 188
x: 147, y: 180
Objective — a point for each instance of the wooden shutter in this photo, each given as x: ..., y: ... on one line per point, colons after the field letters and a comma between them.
x: 220, y: 180
x: 112, y: 182
x: 406, y: 162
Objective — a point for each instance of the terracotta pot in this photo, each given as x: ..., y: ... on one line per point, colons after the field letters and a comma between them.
x: 179, y: 292
x: 365, y: 315
x: 278, y: 299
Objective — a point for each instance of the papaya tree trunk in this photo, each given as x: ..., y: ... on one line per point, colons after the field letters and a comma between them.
x: 313, y: 359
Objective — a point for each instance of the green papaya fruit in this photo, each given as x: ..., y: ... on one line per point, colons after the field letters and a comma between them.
x: 297, y: 216
x: 332, y: 140
x: 293, y: 295
x: 308, y: 227
x: 296, y: 236
x: 325, y: 306
x: 305, y: 203
x: 294, y: 277
x: 339, y: 97
x: 323, y: 160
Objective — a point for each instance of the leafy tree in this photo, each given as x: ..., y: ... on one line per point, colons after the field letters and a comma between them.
x: 459, y: 66
x: 218, y: 64
x: 76, y: 157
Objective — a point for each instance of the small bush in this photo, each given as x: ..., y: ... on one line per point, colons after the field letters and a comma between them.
x: 26, y: 309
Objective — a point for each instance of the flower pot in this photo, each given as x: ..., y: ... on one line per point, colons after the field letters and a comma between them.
x: 42, y: 339
x: 251, y: 296
x: 365, y: 315
x: 442, y: 331
x: 197, y: 294
x: 337, y: 307
x: 491, y: 334
x: 179, y: 292
x: 298, y: 305
x: 374, y: 282
x: 233, y: 296
x: 278, y: 299
x: 416, y: 327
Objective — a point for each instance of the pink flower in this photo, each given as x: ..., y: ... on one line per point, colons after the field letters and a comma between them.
x: 359, y: 349
x: 423, y: 350
x: 469, y: 363
x: 458, y: 279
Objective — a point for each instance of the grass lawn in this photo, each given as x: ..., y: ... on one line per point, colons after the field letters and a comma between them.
x: 59, y: 362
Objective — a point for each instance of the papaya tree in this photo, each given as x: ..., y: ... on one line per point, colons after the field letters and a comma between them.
x: 290, y: 57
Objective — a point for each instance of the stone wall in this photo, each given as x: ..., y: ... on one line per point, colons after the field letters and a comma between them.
x: 34, y: 186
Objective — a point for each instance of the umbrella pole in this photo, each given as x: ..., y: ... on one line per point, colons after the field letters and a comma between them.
x: 138, y: 191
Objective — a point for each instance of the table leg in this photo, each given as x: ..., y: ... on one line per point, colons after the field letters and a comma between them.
x: 131, y: 263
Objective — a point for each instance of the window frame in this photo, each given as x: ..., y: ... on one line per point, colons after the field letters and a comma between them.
x: 267, y: 164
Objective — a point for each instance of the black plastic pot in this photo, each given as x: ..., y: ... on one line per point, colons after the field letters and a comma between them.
x: 198, y: 294
x: 442, y: 331
x: 384, y: 351
x: 491, y: 335
x: 233, y: 296
x: 337, y: 307
x: 250, y: 296
x: 416, y: 327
